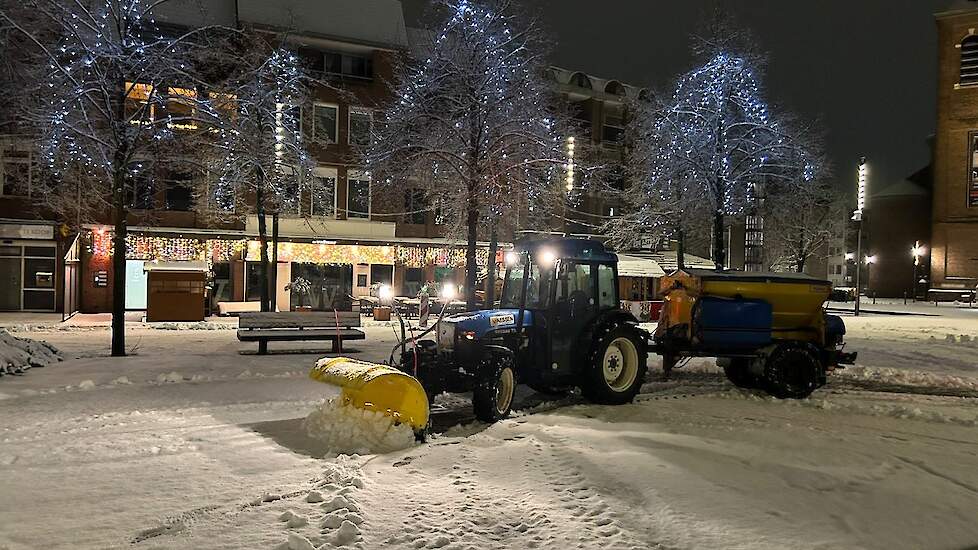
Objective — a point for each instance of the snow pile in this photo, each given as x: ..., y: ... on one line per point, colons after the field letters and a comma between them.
x: 348, y: 430
x: 20, y: 354
x: 907, y: 377
x: 199, y: 325
x: 61, y: 327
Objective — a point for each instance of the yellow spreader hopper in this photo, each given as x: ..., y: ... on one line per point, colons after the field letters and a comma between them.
x: 375, y: 387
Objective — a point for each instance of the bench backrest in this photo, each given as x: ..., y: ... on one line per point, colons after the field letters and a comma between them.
x: 289, y: 319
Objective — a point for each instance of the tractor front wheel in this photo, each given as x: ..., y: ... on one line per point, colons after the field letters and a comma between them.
x: 492, y: 397
x: 617, y: 368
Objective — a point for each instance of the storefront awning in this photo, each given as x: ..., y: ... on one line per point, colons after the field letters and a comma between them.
x: 632, y: 266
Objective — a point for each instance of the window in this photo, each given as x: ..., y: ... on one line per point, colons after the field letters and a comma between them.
x: 359, y: 131
x: 415, y: 206
x: 615, y: 88
x: 139, y: 193
x: 754, y: 244
x: 381, y: 274
x: 253, y: 281
x: 607, y: 287
x: 17, y: 173
x: 537, y: 287
x: 613, y: 130
x: 178, y: 190
x: 973, y: 170
x: 325, y: 123
x: 968, y: 75
x: 138, y: 108
x: 323, y: 193
x: 574, y: 283
x: 358, y: 195
x: 346, y: 64
x: 181, y: 106
x: 580, y: 80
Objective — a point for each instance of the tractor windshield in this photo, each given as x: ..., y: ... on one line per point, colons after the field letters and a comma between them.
x: 537, y: 287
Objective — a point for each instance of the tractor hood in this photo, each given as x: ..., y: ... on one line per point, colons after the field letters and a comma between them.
x: 480, y: 323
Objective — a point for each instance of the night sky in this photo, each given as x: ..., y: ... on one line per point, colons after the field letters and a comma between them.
x: 866, y: 69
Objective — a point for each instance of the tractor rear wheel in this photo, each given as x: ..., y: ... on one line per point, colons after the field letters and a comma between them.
x: 792, y: 372
x: 492, y: 397
x: 617, y: 368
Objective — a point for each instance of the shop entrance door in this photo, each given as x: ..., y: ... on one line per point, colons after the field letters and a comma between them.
x: 10, y: 273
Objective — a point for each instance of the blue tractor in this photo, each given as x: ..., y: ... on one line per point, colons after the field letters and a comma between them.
x: 558, y: 326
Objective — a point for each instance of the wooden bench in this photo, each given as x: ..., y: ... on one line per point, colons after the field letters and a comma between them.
x: 263, y: 327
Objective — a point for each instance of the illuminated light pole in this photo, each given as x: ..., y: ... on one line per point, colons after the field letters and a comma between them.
x: 917, y: 251
x: 857, y: 216
x: 570, y: 164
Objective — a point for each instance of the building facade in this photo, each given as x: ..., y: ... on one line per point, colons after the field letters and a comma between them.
x: 338, y: 236
x: 954, y: 227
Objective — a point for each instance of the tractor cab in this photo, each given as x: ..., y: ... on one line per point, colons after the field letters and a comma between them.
x: 566, y: 285
x: 558, y: 325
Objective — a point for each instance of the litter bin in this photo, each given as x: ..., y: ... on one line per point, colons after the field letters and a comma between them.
x: 382, y: 313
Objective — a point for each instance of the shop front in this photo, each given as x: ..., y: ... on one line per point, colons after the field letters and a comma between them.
x: 29, y: 268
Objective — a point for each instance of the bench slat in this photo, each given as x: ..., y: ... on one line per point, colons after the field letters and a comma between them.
x: 289, y: 319
x: 256, y: 335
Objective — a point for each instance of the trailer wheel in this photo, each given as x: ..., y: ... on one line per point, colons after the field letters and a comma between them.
x: 617, y: 368
x: 737, y: 371
x: 792, y: 372
x: 492, y: 397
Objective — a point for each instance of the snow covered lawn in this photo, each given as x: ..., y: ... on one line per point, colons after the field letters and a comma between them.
x: 191, y: 444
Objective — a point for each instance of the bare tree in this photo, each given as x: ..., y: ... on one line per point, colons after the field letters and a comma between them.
x: 259, y: 161
x: 703, y: 149
x: 472, y: 121
x: 115, y: 88
x: 800, y: 222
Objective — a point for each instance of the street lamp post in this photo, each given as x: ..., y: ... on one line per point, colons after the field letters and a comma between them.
x: 870, y: 260
x: 857, y: 216
x: 917, y: 251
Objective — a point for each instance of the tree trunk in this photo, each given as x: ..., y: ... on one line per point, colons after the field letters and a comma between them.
x: 263, y: 245
x: 800, y: 264
x: 273, y: 305
x: 491, y: 277
x: 680, y: 247
x: 119, y: 265
x: 471, y: 266
x: 719, y: 247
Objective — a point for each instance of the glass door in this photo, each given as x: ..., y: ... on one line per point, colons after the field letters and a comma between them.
x: 10, y: 271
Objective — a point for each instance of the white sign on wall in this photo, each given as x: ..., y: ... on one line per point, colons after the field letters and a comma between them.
x: 26, y: 231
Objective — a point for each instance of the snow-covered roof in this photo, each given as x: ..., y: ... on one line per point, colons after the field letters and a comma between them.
x: 378, y: 22
x: 666, y: 259
x: 598, y: 84
x: 633, y: 266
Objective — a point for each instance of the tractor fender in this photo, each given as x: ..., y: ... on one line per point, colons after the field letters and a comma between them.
x: 495, y: 349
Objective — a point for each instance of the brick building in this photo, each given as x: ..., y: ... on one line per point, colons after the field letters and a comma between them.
x: 954, y: 229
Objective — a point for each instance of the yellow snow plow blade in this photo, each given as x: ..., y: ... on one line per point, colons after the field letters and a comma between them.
x: 375, y: 387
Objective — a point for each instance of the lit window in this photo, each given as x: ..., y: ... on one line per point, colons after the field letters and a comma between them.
x: 181, y: 108
x: 326, y: 122
x: 139, y: 110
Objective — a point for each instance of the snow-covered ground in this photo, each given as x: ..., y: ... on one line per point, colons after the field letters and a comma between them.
x: 190, y: 443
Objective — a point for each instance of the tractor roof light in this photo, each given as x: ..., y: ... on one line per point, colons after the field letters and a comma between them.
x: 547, y: 257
